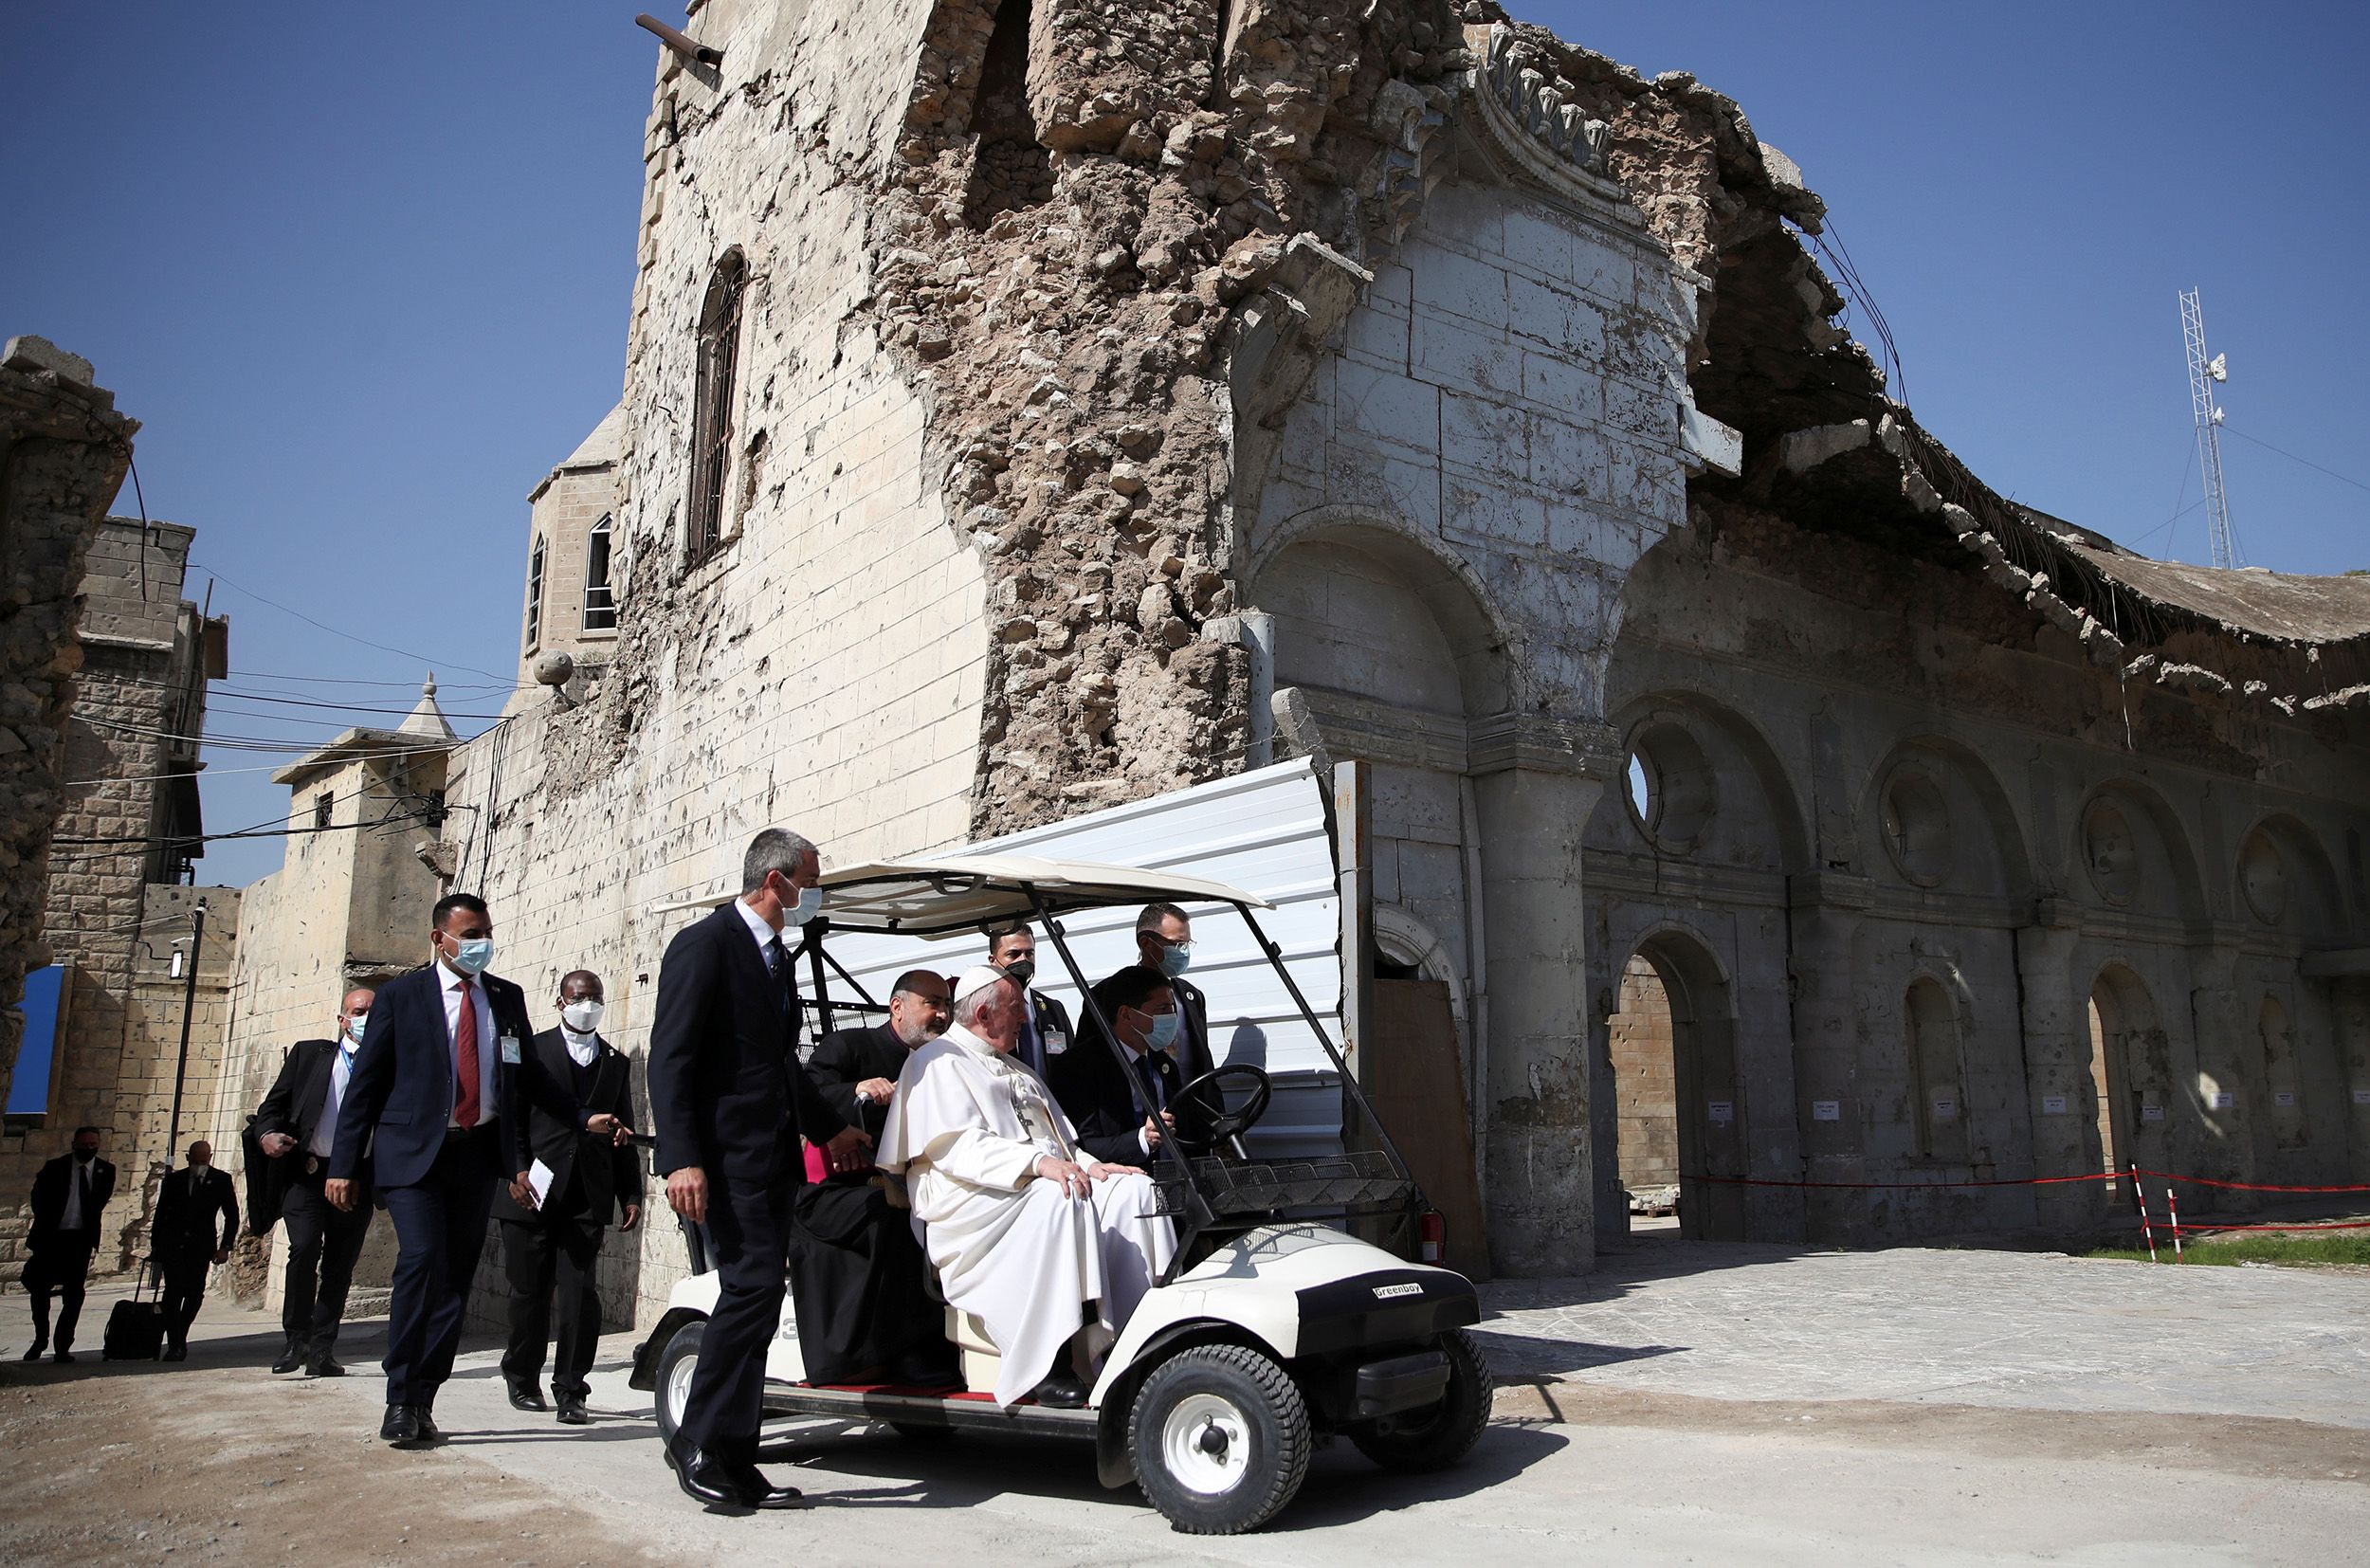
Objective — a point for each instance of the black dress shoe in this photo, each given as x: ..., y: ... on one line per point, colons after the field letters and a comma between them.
x: 291, y: 1356
x: 757, y: 1492
x: 1062, y: 1391
x: 64, y: 1358
x: 402, y: 1427
x: 527, y: 1396
x: 572, y: 1410
x: 705, y: 1480
x: 326, y: 1365
x: 927, y: 1372
x: 35, y: 1353
x: 429, y: 1432
x: 176, y: 1353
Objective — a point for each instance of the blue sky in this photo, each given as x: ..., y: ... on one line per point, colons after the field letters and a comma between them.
x: 364, y: 272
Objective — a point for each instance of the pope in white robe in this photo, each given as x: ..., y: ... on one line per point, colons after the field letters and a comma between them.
x: 1026, y: 1233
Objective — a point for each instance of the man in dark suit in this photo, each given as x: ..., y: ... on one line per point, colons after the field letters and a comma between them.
x: 1123, y: 1113
x: 857, y: 1274
x: 1044, y: 1028
x: 729, y: 1099
x: 1164, y: 942
x: 295, y: 1128
x: 68, y: 1194
x: 197, y: 1219
x: 555, y: 1247
x: 438, y: 1094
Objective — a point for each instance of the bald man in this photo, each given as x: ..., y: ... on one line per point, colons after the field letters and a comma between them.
x: 295, y: 1128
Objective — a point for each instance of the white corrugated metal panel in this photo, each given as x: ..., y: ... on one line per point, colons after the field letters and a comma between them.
x: 1264, y: 832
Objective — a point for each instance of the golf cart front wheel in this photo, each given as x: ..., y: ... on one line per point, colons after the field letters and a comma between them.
x: 1219, y: 1439
x: 676, y: 1364
x: 1438, y: 1435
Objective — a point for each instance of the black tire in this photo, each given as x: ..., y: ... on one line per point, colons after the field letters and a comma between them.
x: 1438, y: 1435
x: 1233, y: 1480
x: 675, y: 1365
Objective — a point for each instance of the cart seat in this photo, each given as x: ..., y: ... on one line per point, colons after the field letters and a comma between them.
x: 981, y: 1359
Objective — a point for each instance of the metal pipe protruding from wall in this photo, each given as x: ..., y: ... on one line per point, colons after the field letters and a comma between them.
x: 691, y: 50
x: 1259, y: 638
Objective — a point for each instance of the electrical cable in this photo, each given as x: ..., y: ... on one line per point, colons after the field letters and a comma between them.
x: 325, y: 625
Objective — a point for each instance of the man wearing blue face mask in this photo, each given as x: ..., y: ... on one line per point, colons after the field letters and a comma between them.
x: 1164, y: 942
x: 438, y: 1095
x: 1123, y: 1113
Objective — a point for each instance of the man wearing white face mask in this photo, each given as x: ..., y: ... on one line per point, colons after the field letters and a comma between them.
x: 297, y: 1126
x: 549, y: 1251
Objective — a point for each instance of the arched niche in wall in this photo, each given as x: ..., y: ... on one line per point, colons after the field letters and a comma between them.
x: 2283, y: 880
x: 2284, y: 1102
x: 2132, y: 853
x: 1368, y: 611
x: 2130, y: 1079
x: 1700, y: 783
x: 1938, y: 819
x: 1678, y: 1111
x: 1938, y: 1074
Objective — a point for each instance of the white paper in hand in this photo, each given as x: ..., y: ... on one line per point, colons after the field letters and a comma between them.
x: 540, y: 1182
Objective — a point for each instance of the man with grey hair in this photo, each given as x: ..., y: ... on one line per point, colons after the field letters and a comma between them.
x: 729, y: 1099
x: 1164, y: 941
x: 1028, y: 1234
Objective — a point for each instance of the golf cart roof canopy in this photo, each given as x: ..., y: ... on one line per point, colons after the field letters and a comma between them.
x: 928, y: 897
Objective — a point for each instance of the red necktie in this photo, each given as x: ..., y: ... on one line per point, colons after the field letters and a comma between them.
x: 465, y: 1105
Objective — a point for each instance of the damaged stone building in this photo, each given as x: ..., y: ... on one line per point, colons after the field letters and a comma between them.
x: 102, y: 704
x: 1036, y: 405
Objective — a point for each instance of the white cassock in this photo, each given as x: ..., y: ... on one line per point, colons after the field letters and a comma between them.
x: 967, y: 1129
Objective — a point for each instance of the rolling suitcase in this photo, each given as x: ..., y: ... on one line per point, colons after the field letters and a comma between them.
x: 136, y: 1329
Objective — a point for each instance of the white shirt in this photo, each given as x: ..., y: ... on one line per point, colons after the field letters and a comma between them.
x: 489, y: 1048
x: 70, y: 1218
x: 325, y: 1125
x: 583, y: 1050
x: 758, y: 928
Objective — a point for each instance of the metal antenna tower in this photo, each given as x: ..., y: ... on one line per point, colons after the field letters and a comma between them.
x: 2203, y: 373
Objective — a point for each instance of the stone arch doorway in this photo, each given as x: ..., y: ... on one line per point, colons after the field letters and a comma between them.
x: 2129, y: 1113
x: 1678, y: 1113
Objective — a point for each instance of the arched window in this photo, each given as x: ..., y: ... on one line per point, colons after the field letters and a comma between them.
x: 600, y: 600
x: 712, y: 407
x: 1933, y: 1072
x: 535, y: 593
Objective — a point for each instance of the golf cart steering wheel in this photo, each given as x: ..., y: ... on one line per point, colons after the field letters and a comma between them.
x: 1229, y: 1126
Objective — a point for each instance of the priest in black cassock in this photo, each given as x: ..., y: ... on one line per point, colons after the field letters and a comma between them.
x: 858, y: 1278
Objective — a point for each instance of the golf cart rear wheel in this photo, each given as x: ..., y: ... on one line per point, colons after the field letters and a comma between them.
x: 1438, y: 1435
x: 676, y: 1364
x: 1219, y: 1439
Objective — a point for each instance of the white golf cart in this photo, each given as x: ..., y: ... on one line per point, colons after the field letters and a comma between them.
x: 1273, y: 1330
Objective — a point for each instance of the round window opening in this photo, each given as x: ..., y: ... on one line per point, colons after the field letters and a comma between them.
x: 2111, y: 851
x: 1671, y: 786
x: 2263, y: 878
x: 1914, y: 816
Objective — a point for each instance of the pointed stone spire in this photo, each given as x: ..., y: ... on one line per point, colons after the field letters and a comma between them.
x: 427, y: 720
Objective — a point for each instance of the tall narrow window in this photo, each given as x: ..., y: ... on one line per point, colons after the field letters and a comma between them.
x: 600, y: 601
x: 1934, y: 1072
x: 712, y: 407
x: 535, y: 593
x: 324, y: 807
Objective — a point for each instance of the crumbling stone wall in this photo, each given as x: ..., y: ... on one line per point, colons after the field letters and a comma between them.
x: 64, y: 451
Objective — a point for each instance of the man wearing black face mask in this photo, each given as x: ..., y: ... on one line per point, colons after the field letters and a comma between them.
x: 67, y: 1197
x: 1045, y: 1032
x: 197, y: 1219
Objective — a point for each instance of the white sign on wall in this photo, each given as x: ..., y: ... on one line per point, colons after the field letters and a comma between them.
x: 2052, y: 1104
x: 1721, y: 1111
x: 2284, y: 1099
x: 2151, y: 1113
x: 1826, y: 1110
x: 1945, y: 1110
x: 2223, y: 1100
x: 2361, y: 1097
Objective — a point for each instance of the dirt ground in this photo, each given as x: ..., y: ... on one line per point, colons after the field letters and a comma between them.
x: 207, y: 1462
